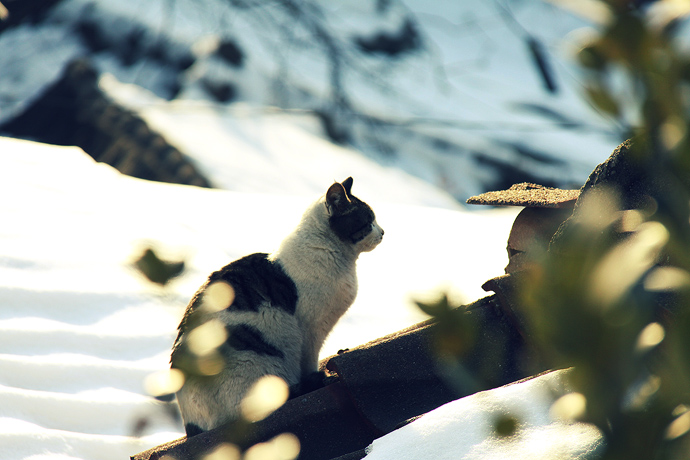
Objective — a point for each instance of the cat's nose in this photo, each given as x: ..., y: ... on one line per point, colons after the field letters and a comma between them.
x: 382, y: 232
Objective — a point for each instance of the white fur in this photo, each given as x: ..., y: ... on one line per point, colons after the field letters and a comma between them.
x: 212, y: 401
x: 323, y: 269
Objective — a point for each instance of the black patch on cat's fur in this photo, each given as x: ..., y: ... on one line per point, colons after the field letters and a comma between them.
x: 354, y: 223
x: 242, y: 337
x: 347, y: 185
x: 192, y: 429
x: 350, y: 218
x: 257, y: 280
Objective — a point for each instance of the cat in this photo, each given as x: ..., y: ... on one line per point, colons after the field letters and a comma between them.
x: 285, y: 304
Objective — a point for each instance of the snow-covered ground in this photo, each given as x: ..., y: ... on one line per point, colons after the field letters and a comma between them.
x: 252, y: 149
x: 465, y: 429
x: 80, y: 329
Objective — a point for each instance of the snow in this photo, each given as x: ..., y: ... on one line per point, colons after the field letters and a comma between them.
x: 464, y: 429
x: 248, y: 139
x: 80, y: 330
x: 453, y: 112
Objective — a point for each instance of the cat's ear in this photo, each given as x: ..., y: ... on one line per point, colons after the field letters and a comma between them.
x: 336, y: 198
x: 347, y: 185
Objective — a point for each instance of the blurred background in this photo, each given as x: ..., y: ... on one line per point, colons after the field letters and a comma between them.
x: 465, y: 96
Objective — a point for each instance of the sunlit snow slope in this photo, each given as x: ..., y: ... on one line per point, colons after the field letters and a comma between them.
x: 80, y: 329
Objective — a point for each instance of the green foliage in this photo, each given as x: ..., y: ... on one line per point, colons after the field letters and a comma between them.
x: 506, y: 425
x: 454, y: 339
x: 157, y: 270
x: 611, y: 297
x: 589, y: 308
x: 456, y: 332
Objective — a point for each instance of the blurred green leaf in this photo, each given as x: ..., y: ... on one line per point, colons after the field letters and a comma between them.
x: 157, y: 270
x: 602, y: 99
x: 506, y: 425
x: 591, y: 58
x: 455, y: 332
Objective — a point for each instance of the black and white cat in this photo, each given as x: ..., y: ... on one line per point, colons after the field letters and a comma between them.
x: 284, y: 306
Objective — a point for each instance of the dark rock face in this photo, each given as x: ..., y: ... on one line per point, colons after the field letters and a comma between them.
x: 74, y: 111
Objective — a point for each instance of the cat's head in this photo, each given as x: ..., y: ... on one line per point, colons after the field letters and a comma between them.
x: 351, y: 219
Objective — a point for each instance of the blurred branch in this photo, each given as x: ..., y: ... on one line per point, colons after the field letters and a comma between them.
x: 15, y: 12
x: 534, y: 45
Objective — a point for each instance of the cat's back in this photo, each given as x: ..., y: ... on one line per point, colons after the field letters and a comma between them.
x: 239, y: 326
x: 255, y: 279
x: 259, y: 289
